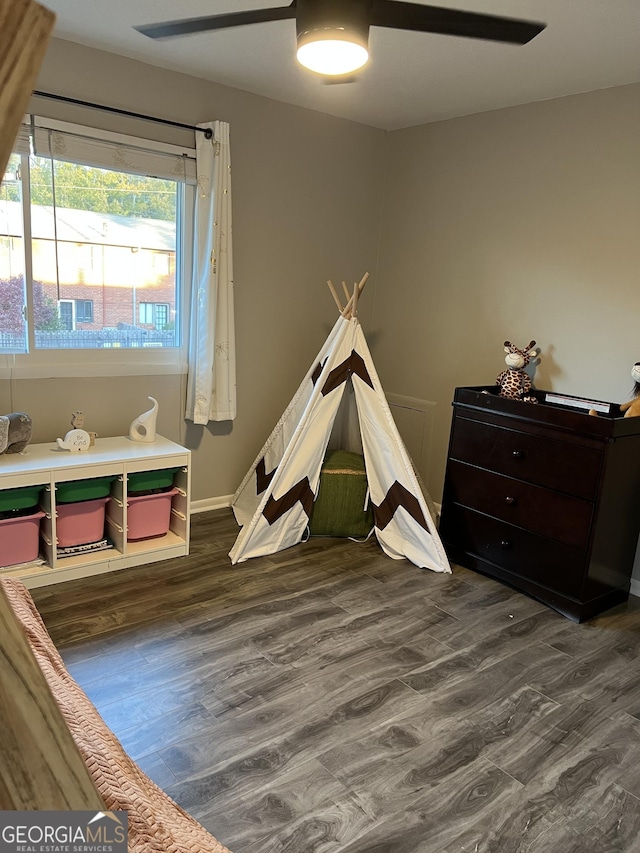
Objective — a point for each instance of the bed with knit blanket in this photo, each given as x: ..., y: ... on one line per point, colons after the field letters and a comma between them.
x: 156, y: 823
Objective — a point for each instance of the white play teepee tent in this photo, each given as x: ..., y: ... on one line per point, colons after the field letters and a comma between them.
x: 275, y: 500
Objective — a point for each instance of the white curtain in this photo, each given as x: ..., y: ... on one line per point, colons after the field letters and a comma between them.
x: 211, y: 383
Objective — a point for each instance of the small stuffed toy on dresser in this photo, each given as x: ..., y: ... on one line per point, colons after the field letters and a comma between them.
x: 631, y: 409
x: 514, y: 383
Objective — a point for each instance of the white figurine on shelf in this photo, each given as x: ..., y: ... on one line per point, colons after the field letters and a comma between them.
x: 77, y: 438
x: 143, y: 428
x: 77, y: 422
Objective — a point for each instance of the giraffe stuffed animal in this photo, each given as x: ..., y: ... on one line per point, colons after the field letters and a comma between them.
x: 514, y: 383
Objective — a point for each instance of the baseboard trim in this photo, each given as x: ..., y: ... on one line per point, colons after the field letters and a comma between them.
x: 209, y: 504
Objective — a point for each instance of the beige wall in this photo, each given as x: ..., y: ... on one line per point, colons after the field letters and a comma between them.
x: 521, y: 223
x: 306, y: 207
x: 516, y: 224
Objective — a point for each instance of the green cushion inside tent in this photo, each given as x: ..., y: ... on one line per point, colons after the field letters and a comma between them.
x: 339, y: 507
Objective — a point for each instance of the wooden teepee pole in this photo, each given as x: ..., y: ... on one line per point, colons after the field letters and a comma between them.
x: 348, y: 310
x: 40, y: 766
x: 335, y: 296
x: 25, y: 27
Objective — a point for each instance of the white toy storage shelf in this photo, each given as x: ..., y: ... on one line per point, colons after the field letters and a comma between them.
x: 47, y: 466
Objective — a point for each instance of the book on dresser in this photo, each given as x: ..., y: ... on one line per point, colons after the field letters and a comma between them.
x: 544, y: 497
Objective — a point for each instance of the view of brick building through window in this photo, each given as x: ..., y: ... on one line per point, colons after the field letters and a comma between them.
x: 100, y: 279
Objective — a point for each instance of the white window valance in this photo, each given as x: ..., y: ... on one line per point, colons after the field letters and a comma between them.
x: 22, y: 145
x: 107, y: 150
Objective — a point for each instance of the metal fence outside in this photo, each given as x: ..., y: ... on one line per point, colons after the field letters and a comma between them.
x: 130, y: 338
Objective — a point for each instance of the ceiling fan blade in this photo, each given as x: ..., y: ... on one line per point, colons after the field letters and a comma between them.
x: 452, y: 22
x: 216, y: 22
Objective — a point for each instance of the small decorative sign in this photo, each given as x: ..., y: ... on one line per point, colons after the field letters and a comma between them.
x: 74, y: 440
x: 63, y: 832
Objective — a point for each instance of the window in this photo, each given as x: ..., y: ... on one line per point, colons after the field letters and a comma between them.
x: 154, y: 314
x: 65, y: 307
x: 84, y: 311
x: 75, y: 311
x: 92, y: 237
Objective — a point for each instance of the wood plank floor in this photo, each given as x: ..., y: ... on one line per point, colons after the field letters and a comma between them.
x: 330, y: 699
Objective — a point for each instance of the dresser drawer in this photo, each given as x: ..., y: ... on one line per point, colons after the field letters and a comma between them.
x: 548, y: 513
x: 555, y: 464
x: 526, y: 555
x: 544, y: 497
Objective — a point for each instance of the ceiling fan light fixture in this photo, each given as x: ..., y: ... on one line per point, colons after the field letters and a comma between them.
x: 333, y: 51
x: 333, y: 35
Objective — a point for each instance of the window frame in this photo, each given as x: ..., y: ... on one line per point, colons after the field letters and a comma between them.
x: 50, y: 363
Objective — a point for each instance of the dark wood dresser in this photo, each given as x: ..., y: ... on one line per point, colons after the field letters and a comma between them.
x: 543, y: 497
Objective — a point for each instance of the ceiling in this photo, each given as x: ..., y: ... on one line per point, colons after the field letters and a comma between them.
x: 412, y: 78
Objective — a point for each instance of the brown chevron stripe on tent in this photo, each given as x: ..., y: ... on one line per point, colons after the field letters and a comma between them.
x: 398, y: 496
x: 353, y: 364
x: 276, y: 507
x: 317, y: 373
x: 262, y: 477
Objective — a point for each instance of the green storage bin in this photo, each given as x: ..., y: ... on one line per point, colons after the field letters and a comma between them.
x: 84, y: 490
x: 339, y: 508
x: 149, y: 481
x: 26, y: 496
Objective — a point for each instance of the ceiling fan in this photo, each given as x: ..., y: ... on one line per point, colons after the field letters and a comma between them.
x: 333, y: 35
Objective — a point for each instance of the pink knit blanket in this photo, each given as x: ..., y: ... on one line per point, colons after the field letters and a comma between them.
x: 156, y: 823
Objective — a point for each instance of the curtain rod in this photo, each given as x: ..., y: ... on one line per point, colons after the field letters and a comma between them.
x: 206, y: 130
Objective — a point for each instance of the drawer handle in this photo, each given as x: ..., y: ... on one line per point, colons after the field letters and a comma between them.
x: 509, y: 500
x: 517, y: 454
x: 505, y: 544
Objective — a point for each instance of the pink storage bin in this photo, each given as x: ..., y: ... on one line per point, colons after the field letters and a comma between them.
x: 148, y: 516
x: 80, y: 523
x: 19, y: 539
